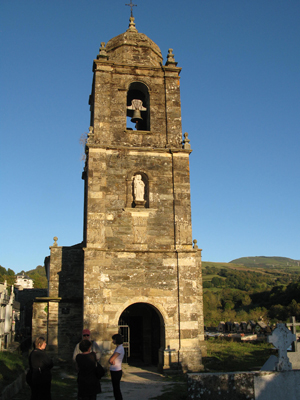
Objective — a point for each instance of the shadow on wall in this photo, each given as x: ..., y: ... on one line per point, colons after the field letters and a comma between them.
x: 70, y: 310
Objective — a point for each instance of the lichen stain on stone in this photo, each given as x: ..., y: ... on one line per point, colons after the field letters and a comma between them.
x: 104, y: 278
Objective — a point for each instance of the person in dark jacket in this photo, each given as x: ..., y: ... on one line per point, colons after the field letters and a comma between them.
x: 40, y: 368
x: 88, y: 383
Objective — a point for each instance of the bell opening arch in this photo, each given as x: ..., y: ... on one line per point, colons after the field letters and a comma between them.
x: 138, y: 107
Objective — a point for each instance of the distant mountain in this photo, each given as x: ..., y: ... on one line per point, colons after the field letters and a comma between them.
x: 277, y: 263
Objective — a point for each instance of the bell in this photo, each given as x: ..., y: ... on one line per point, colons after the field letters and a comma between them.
x: 136, y: 116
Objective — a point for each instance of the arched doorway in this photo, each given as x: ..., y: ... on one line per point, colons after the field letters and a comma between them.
x: 142, y: 326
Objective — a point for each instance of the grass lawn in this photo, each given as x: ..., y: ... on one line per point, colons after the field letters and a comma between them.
x: 230, y: 356
x: 63, y: 386
x: 11, y: 366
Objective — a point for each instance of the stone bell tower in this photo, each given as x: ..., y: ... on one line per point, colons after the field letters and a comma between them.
x: 136, y: 270
x: 142, y: 274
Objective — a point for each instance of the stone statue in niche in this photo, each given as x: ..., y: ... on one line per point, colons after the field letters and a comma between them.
x: 139, y: 191
x: 139, y: 188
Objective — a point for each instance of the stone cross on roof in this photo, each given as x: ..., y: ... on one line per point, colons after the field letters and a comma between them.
x: 282, y: 339
x: 131, y: 5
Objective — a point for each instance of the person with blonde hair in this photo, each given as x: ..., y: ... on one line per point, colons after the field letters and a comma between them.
x: 40, y: 366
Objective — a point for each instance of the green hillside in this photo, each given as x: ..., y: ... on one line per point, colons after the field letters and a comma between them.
x: 250, y: 288
x: 278, y: 263
x: 39, y: 277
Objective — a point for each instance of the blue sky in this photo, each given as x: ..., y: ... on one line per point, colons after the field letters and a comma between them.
x: 240, y: 95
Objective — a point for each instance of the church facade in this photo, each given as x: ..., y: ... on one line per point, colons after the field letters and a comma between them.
x: 137, y: 270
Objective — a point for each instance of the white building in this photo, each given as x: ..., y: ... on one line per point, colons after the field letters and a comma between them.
x: 23, y: 281
x: 9, y: 314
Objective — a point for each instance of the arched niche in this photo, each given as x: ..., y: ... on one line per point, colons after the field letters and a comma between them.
x: 147, y: 179
x: 140, y: 190
x: 138, y: 105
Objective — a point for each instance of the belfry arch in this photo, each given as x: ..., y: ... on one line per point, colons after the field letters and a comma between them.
x: 143, y: 329
x: 138, y: 103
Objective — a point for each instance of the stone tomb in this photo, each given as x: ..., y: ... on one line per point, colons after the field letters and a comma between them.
x: 284, y: 383
x: 260, y: 385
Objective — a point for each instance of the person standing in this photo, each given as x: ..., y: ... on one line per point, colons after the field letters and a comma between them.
x: 40, y: 366
x: 116, y: 365
x: 88, y: 383
x: 86, y: 335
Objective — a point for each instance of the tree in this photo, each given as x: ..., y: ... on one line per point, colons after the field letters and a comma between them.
x: 246, y: 300
x: 2, y: 270
x: 10, y: 272
x: 211, y: 308
x: 258, y: 313
x: 229, y: 305
x: 293, y: 309
x: 217, y: 282
x: 278, y: 312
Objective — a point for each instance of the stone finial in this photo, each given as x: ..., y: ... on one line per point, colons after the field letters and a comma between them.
x: 195, y: 244
x: 132, y: 27
x: 55, y: 241
x: 282, y: 338
x: 171, y: 59
x: 90, y: 138
x: 102, y: 52
x: 186, y: 141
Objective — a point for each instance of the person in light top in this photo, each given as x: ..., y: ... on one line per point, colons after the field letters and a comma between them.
x: 116, y: 365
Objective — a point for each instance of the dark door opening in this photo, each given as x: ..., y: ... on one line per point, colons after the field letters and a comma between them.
x: 146, y: 333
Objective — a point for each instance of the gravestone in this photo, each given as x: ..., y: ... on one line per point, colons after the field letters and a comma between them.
x: 293, y: 324
x: 275, y: 381
x: 281, y: 338
x: 294, y: 356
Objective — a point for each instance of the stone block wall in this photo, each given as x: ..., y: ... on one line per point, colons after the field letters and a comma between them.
x: 66, y: 272
x: 40, y: 319
x: 244, y: 386
x: 113, y: 222
x: 58, y: 316
x: 169, y: 282
x: 26, y: 298
x: 60, y: 322
x: 126, y: 62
